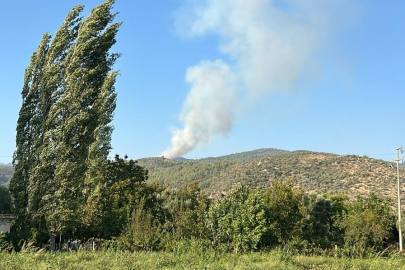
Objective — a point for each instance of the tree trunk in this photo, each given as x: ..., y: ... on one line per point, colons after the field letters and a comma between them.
x: 52, y: 244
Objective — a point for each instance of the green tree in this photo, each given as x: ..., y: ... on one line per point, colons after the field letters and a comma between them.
x: 239, y: 220
x: 143, y: 231
x: 185, y: 213
x: 367, y: 225
x: 42, y: 184
x: 286, y: 213
x: 64, y: 127
x: 84, y: 111
x: 5, y: 200
x: 28, y: 132
x: 321, y: 228
x: 111, y: 203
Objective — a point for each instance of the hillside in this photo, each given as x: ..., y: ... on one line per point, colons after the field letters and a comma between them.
x: 6, y: 172
x: 317, y: 172
x: 240, y: 157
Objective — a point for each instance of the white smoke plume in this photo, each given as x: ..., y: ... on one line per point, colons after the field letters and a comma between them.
x: 270, y: 43
x: 208, y: 109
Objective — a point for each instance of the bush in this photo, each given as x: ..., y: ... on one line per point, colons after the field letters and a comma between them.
x: 5, y: 242
x: 367, y: 226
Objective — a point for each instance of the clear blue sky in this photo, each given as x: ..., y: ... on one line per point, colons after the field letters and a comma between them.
x: 327, y: 78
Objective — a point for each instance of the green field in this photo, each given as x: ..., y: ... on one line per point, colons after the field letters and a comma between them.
x: 188, y: 260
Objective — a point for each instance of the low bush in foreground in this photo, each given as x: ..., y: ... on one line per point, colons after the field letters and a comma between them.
x: 182, y: 259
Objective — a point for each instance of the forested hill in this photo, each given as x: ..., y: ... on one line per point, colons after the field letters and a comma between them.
x: 318, y: 172
x: 313, y: 171
x: 6, y: 172
x: 241, y: 157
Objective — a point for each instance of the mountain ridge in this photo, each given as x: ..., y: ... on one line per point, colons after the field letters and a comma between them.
x: 241, y: 156
x: 313, y: 171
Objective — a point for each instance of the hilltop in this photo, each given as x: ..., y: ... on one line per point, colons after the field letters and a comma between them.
x: 313, y: 171
x: 240, y: 157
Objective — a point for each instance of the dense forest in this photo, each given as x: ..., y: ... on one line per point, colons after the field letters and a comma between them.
x: 65, y: 190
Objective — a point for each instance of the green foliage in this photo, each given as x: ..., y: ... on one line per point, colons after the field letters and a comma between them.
x: 323, y: 213
x: 119, y: 193
x: 312, y: 171
x: 367, y: 225
x: 241, y: 157
x: 286, y: 211
x: 64, y: 126
x: 5, y: 200
x: 143, y: 231
x: 238, y: 220
x: 5, y: 242
x: 185, y: 213
x: 6, y: 172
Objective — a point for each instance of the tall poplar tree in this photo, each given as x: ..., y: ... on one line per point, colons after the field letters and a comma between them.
x: 51, y: 91
x: 64, y: 127
x: 84, y: 111
x: 28, y: 128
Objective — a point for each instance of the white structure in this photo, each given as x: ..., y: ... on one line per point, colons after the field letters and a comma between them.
x: 5, y: 222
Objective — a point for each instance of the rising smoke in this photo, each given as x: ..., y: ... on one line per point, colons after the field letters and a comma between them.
x: 208, y: 109
x: 270, y: 44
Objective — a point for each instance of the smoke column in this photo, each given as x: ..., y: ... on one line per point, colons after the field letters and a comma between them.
x: 208, y: 109
x: 270, y: 43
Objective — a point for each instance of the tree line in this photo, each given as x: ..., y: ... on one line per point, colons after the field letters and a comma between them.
x: 132, y: 215
x: 279, y: 216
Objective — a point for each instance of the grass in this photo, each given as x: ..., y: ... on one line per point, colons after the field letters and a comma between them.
x: 187, y: 260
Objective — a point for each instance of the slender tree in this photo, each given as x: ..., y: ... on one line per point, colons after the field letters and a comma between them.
x: 28, y: 128
x: 51, y: 91
x: 64, y: 128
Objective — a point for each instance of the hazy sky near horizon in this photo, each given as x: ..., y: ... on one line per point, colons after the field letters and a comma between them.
x: 214, y: 77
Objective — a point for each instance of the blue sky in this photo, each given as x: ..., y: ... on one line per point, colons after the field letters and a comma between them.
x: 334, y: 82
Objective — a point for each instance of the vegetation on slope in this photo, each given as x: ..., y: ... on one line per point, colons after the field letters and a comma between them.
x: 240, y: 157
x: 314, y: 172
x: 6, y: 172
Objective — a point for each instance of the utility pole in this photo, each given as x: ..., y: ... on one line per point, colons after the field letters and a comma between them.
x: 399, y: 197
